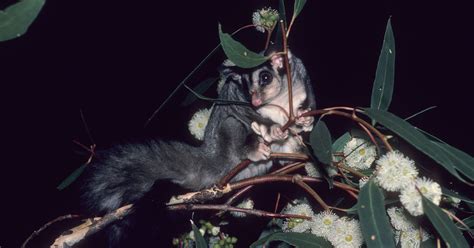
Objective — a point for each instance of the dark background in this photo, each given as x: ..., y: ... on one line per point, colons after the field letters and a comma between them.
x: 118, y: 60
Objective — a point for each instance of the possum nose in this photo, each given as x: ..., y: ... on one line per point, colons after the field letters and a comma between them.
x: 256, y: 100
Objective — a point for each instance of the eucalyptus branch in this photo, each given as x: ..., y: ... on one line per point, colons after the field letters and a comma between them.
x: 260, y: 213
x: 351, y: 170
x: 37, y: 232
x: 284, y: 170
x: 354, y: 117
x: 89, y: 227
x: 242, y: 165
x: 288, y: 69
x: 298, y: 180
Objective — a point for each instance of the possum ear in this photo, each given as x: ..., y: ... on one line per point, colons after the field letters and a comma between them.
x: 277, y: 60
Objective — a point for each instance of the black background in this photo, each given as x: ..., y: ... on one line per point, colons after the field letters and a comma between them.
x: 118, y: 60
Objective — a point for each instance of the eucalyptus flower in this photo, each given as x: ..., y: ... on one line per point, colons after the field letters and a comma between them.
x: 247, y: 204
x: 197, y: 124
x: 395, y: 171
x: 265, y: 19
x: 295, y: 224
x: 346, y: 234
x: 359, y: 153
x: 323, y: 224
x: 399, y: 220
x: 411, y: 238
x: 411, y: 199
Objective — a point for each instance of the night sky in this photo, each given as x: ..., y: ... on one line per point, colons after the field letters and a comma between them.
x: 118, y: 60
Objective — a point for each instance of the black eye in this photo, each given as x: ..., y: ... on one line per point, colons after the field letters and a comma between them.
x: 265, y: 78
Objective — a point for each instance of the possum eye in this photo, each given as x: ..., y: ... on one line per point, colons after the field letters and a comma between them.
x: 265, y: 78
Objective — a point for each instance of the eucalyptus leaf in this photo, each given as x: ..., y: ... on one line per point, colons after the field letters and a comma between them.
x: 298, y: 7
x: 321, y: 142
x: 450, y: 158
x: 201, y: 88
x: 430, y: 243
x: 443, y: 224
x: 450, y: 193
x: 16, y: 18
x: 295, y: 239
x: 373, y: 217
x: 384, y: 77
x: 200, y: 242
x: 469, y: 221
x: 238, y: 53
x: 72, y: 177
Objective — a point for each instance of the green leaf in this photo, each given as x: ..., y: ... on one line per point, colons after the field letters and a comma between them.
x: 200, y: 242
x: 463, y: 162
x: 430, y: 243
x: 201, y: 88
x: 373, y: 218
x: 72, y: 177
x: 384, y: 77
x: 445, y: 227
x: 321, y: 142
x: 298, y: 7
x: 450, y: 193
x: 338, y: 145
x: 15, y: 20
x: 295, y: 239
x: 469, y: 221
x: 450, y: 158
x: 238, y: 53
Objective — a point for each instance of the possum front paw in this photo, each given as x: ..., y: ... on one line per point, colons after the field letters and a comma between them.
x: 261, y: 153
x: 269, y: 135
x: 305, y: 122
x: 277, y: 134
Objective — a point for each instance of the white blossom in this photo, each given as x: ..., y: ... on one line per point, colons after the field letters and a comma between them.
x: 197, y: 124
x: 311, y: 170
x: 395, y: 171
x: 411, y: 238
x: 323, y: 224
x: 411, y: 199
x: 399, y: 220
x: 359, y: 153
x: 346, y: 234
x: 247, y: 204
x: 295, y: 224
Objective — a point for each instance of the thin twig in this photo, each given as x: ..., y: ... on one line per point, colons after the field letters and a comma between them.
x: 192, y: 207
x: 89, y: 227
x: 298, y: 180
x: 288, y: 71
x: 37, y: 232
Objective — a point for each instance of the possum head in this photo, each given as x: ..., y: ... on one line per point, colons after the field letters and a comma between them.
x: 267, y: 81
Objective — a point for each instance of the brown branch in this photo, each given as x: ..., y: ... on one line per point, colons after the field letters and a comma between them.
x: 37, y: 232
x: 298, y: 180
x: 242, y: 165
x: 260, y: 213
x: 284, y: 170
x: 349, y: 169
x: 89, y: 227
x: 232, y: 173
x: 288, y: 70
x: 382, y: 137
